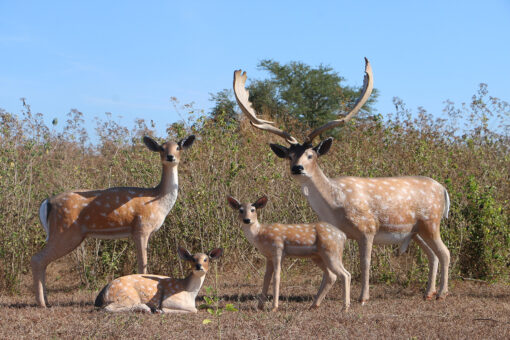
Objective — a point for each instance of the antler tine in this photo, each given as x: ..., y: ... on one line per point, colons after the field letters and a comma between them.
x: 242, y: 97
x: 368, y: 85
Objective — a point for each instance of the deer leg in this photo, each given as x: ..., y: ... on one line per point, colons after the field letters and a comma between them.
x: 328, y: 279
x: 54, y: 249
x: 267, y: 280
x: 433, y: 263
x: 141, y: 241
x: 118, y: 308
x: 277, y: 264
x: 365, y: 253
x: 437, y: 245
x: 175, y: 311
x: 334, y: 264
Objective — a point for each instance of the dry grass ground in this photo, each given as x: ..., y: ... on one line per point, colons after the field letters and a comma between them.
x: 473, y: 310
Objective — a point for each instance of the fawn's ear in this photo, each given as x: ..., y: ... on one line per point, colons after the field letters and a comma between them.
x: 215, y: 253
x: 151, y: 144
x: 186, y: 142
x: 184, y: 254
x: 323, y: 146
x: 280, y: 150
x: 260, y: 203
x: 233, y: 202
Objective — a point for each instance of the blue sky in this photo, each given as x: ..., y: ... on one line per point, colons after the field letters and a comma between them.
x: 129, y: 59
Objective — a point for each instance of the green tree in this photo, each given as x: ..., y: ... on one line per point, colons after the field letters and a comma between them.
x: 224, y: 105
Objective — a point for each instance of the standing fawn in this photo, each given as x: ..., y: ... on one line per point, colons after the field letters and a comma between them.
x: 70, y: 217
x: 156, y: 293
x: 391, y: 210
x: 320, y: 241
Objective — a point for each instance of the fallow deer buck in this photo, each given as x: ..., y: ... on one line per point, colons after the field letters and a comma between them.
x: 390, y: 210
x: 320, y: 241
x: 156, y: 293
x: 68, y: 218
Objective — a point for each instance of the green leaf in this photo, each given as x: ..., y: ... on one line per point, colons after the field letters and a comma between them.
x: 230, y: 307
x: 210, y: 311
x: 206, y: 321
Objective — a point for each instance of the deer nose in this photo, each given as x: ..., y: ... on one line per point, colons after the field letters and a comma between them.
x: 246, y: 220
x: 198, y: 266
x: 297, y: 169
x: 170, y: 158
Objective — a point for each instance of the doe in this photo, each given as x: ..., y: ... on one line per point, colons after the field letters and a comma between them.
x: 320, y: 241
x: 68, y: 218
x: 156, y: 293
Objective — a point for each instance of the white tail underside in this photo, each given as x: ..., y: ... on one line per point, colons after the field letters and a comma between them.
x: 446, y: 204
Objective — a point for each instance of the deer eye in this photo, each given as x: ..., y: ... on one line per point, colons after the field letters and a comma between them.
x: 205, y: 260
x: 252, y: 209
x: 310, y: 156
x: 241, y: 210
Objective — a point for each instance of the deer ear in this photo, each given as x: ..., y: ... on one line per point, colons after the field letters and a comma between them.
x: 279, y: 150
x: 184, y: 254
x: 215, y: 253
x: 186, y: 142
x: 260, y: 203
x: 233, y: 202
x: 323, y: 146
x: 151, y: 144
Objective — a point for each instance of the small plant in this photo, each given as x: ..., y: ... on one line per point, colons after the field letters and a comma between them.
x: 212, y: 305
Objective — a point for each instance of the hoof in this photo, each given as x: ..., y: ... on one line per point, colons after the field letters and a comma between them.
x: 442, y: 296
x: 312, y: 307
x: 430, y: 296
x: 275, y: 309
x: 363, y: 302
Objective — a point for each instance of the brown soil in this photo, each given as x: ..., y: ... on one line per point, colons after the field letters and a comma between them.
x: 472, y: 310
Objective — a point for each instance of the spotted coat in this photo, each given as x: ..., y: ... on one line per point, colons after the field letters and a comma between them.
x: 320, y: 241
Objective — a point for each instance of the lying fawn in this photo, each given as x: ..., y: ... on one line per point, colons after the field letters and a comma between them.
x: 320, y: 241
x: 155, y: 293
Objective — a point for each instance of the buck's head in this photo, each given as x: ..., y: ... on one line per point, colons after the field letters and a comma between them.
x: 170, y: 152
x: 302, y: 157
x: 247, y: 212
x: 200, y: 262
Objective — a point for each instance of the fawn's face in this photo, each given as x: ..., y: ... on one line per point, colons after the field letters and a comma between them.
x: 200, y: 262
x: 170, y: 152
x: 247, y: 212
x: 302, y: 157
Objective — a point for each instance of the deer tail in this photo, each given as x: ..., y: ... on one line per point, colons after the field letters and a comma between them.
x: 44, y: 213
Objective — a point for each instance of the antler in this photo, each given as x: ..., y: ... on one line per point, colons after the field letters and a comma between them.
x: 368, y: 84
x: 242, y: 97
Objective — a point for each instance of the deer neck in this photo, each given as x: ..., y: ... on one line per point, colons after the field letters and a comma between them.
x: 193, y: 282
x: 251, y: 231
x: 166, y: 191
x: 322, y: 193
